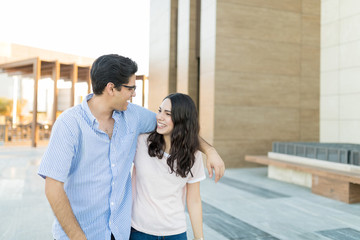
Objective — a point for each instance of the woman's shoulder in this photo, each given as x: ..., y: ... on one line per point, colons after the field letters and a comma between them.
x: 198, y: 155
x: 142, y: 138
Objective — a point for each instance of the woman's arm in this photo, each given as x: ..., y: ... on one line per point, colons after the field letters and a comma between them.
x: 133, y: 182
x: 213, y: 160
x: 193, y: 200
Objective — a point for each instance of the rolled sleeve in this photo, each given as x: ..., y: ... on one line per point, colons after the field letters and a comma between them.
x: 57, y: 159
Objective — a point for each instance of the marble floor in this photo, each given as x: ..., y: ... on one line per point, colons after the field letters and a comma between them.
x: 245, y: 204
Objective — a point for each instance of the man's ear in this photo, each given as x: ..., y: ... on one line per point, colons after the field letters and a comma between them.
x: 109, y: 88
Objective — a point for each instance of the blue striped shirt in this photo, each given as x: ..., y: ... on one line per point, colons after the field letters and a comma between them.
x: 95, y: 169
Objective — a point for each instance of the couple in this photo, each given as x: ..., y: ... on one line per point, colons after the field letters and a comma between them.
x: 90, y: 154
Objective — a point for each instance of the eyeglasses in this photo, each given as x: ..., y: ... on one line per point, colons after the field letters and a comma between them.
x: 129, y: 87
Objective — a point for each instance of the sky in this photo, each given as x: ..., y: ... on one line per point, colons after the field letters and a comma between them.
x: 87, y: 28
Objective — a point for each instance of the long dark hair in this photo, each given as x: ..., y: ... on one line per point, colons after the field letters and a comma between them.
x: 184, y: 137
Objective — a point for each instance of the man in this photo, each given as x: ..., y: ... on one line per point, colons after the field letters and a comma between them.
x: 87, y: 163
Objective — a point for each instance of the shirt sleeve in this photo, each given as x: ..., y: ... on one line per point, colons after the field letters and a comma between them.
x: 147, y: 120
x: 197, y: 170
x: 141, y: 146
x: 57, y: 159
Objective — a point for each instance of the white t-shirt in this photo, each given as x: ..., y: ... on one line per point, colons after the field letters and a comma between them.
x: 158, y: 196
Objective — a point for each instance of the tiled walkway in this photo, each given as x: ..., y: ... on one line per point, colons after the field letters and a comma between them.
x: 244, y: 205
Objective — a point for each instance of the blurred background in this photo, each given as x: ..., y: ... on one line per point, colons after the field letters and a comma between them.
x: 259, y: 71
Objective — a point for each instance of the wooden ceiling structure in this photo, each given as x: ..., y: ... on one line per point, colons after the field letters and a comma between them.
x: 36, y: 68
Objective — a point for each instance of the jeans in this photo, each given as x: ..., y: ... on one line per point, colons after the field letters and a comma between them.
x: 136, y: 235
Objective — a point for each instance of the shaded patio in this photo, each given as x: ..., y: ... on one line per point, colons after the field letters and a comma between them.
x: 36, y: 69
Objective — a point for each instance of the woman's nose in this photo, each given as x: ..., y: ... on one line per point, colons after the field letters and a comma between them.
x: 159, y: 116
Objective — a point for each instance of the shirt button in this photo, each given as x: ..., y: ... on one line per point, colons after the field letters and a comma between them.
x: 113, y: 183
x: 109, y: 222
x: 112, y: 203
x: 113, y: 165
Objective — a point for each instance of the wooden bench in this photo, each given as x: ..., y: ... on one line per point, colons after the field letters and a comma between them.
x: 336, y: 184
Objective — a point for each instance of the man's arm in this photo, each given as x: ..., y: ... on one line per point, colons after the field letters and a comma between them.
x: 213, y: 160
x: 146, y: 119
x: 60, y: 205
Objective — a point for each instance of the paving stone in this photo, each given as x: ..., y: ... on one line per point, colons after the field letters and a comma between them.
x: 245, y: 204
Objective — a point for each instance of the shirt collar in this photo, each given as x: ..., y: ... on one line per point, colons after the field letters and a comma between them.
x: 85, y: 107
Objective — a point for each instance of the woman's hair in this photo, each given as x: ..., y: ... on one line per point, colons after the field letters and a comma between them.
x: 184, y: 137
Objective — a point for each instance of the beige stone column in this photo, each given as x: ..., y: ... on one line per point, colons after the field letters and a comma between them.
x: 207, y: 70
x: 74, y: 78
x: 88, y: 77
x: 187, y: 51
x: 34, y: 128
x: 55, y: 77
x: 162, y: 51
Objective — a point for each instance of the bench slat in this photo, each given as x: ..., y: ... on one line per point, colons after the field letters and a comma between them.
x: 319, y: 171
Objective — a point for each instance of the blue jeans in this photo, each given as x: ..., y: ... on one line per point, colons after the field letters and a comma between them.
x: 136, y: 235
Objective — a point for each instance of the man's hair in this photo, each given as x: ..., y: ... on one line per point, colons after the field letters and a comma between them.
x: 111, y: 68
x: 184, y: 136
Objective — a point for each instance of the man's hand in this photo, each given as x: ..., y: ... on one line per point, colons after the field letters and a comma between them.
x: 215, y: 162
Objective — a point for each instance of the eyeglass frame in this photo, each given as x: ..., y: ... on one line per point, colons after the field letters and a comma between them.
x: 129, y: 87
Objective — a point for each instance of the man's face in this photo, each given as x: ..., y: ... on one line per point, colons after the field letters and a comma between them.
x: 123, y: 96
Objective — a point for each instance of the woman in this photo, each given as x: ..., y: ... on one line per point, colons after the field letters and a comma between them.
x: 167, y: 169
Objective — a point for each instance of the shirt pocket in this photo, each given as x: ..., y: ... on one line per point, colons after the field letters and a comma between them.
x: 127, y: 145
x: 129, y: 138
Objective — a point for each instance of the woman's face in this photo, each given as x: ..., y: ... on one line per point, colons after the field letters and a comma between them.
x: 165, y: 124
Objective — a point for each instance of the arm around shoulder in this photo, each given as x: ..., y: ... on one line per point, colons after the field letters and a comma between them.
x: 147, y: 119
x: 213, y: 160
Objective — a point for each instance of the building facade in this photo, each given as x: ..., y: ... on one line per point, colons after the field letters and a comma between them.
x: 253, y: 67
x: 340, y: 71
